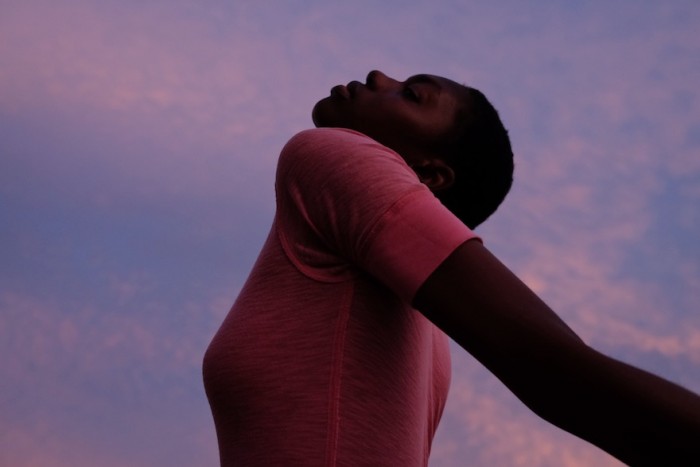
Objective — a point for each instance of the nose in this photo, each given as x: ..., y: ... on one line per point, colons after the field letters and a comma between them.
x: 376, y: 80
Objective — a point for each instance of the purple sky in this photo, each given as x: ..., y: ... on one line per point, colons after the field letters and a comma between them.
x: 138, y: 142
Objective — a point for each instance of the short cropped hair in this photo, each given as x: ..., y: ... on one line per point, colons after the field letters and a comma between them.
x: 481, y: 157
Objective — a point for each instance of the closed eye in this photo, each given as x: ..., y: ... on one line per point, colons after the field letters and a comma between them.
x: 410, y: 94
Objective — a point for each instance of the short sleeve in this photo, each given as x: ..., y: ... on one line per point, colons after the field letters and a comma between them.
x: 346, y: 202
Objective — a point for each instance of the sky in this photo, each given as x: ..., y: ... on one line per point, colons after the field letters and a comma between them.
x: 138, y: 142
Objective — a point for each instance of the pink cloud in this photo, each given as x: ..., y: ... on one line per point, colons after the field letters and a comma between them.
x: 79, y: 385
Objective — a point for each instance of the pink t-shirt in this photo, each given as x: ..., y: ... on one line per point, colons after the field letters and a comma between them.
x: 322, y: 361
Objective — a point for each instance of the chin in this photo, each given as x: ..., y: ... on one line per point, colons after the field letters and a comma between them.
x: 326, y: 114
x: 319, y: 115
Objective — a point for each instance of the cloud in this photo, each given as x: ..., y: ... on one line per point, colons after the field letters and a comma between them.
x: 86, y: 386
x: 149, y: 108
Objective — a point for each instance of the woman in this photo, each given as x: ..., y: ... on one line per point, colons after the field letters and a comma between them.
x: 335, y: 352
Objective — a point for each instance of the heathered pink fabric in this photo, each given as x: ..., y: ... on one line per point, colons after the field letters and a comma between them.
x: 322, y: 361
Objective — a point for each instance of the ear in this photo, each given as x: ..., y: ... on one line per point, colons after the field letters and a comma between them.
x: 434, y: 173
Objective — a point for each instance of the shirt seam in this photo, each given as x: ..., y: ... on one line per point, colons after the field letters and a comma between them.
x: 336, y: 377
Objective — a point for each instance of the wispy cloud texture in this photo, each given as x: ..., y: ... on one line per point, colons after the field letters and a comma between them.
x: 138, y: 143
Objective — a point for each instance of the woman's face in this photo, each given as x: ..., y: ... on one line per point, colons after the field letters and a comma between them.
x: 410, y: 117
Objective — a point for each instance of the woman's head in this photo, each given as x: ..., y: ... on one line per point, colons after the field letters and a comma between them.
x: 448, y: 133
x: 481, y: 156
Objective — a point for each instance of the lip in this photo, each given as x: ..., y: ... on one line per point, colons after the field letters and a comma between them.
x: 353, y: 87
x: 340, y: 91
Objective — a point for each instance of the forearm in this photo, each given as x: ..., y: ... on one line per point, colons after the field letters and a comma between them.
x: 634, y: 415
x: 628, y: 412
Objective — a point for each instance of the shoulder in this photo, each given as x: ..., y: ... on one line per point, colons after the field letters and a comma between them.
x: 316, y: 139
x: 332, y: 146
x: 321, y: 155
